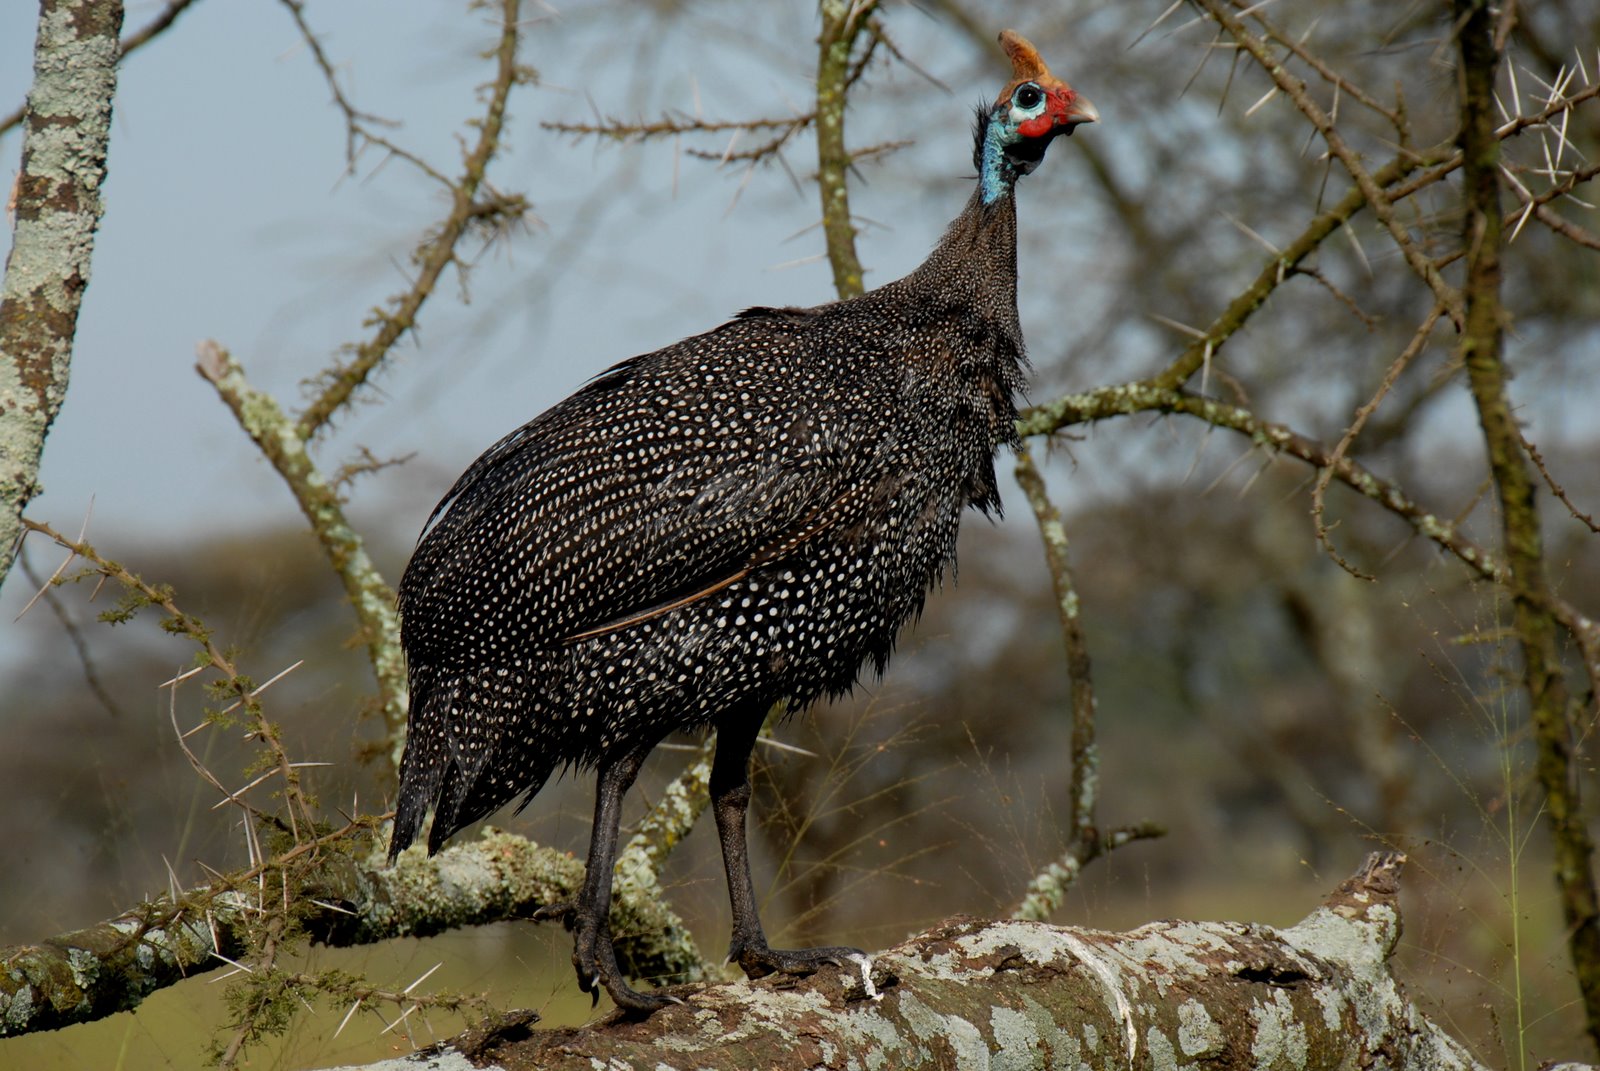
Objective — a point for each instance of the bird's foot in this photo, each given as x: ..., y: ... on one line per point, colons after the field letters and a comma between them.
x: 595, y: 960
x: 758, y: 961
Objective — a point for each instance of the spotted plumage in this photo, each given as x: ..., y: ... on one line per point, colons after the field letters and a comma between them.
x: 745, y: 516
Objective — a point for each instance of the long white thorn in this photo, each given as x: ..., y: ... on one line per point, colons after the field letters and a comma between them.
x: 346, y: 1020
x: 1192, y: 332
x: 1249, y: 233
x: 1176, y: 4
x: 180, y: 678
x: 1268, y: 95
x: 425, y: 976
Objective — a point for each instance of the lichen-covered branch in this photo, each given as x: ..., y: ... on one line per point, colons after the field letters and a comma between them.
x: 970, y: 993
x: 1515, y: 486
x: 372, y: 599
x: 58, y: 208
x: 346, y: 899
x: 132, y: 43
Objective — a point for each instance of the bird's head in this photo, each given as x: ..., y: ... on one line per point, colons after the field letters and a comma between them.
x: 1032, y: 110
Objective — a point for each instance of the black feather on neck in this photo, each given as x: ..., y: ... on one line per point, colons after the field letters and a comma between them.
x: 980, y: 130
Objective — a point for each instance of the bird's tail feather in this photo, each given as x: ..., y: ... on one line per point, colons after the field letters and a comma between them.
x: 453, y: 762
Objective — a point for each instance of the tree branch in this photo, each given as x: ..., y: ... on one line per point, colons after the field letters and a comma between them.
x: 58, y: 208
x: 842, y: 22
x: 132, y: 43
x: 344, y: 900
x: 372, y: 599
x: 1515, y: 486
x: 970, y: 993
x: 437, y: 252
x: 1085, y: 840
x: 1144, y: 396
x: 1371, y: 189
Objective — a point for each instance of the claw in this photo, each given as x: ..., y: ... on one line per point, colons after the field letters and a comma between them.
x: 564, y: 911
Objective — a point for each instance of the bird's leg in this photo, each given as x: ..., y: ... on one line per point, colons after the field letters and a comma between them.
x: 730, y: 801
x: 592, y: 954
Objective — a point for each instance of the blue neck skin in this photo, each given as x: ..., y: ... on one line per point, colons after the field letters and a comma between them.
x: 997, y: 175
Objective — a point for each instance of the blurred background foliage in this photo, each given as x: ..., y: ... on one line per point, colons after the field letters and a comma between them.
x: 1279, y: 716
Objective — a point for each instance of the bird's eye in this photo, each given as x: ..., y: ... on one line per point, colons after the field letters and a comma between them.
x: 1028, y: 96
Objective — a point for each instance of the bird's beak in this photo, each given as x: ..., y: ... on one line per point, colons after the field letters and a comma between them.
x: 1075, y: 111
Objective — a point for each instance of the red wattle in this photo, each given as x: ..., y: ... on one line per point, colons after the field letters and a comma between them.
x: 1036, y: 127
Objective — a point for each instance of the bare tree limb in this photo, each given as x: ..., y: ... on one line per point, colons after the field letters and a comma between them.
x: 1371, y: 189
x: 1145, y: 396
x: 371, y: 598
x: 438, y: 251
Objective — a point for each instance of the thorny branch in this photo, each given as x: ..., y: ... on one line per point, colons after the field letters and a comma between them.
x: 1371, y: 189
x: 238, y: 691
x: 438, y: 251
x: 1538, y: 630
x: 1319, y: 493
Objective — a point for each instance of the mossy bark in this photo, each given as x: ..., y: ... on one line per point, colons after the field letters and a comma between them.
x: 58, y: 208
x: 1015, y: 994
x: 111, y: 967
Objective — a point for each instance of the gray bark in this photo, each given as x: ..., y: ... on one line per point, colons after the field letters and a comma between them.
x: 1019, y: 994
x: 58, y: 207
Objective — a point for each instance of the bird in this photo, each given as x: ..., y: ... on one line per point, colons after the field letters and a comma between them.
x: 743, y: 517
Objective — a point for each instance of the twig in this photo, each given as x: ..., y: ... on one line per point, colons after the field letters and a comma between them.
x: 1319, y: 493
x: 1555, y: 488
x: 438, y: 251
x: 91, y: 675
x: 180, y: 623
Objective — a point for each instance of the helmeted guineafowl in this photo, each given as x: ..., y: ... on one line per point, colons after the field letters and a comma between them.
x: 745, y: 516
